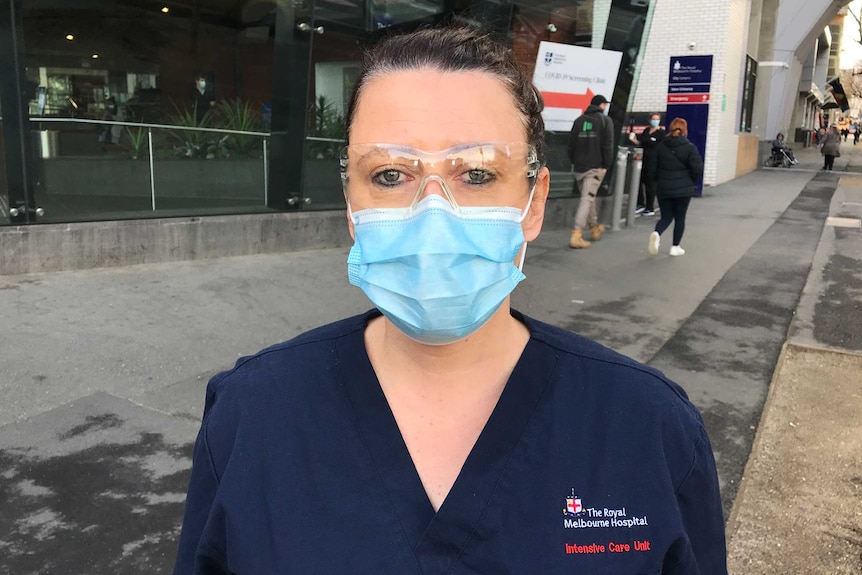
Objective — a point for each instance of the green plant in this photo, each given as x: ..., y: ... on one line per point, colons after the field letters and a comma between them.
x: 242, y: 116
x: 137, y: 138
x: 328, y: 124
x: 193, y: 143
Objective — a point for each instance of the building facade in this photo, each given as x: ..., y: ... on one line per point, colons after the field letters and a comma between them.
x: 143, y: 130
x: 770, y: 71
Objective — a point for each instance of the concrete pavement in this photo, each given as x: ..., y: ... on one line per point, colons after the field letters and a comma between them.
x: 104, y: 370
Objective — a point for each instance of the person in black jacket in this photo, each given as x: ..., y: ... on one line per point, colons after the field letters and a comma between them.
x: 675, y: 166
x: 204, y: 98
x: 648, y: 139
x: 591, y: 150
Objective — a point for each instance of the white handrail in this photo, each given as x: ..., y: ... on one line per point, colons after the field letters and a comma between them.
x: 142, y: 125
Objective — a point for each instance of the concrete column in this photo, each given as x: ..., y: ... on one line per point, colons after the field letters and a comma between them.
x: 793, y: 39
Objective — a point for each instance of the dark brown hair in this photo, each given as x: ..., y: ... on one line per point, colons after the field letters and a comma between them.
x: 455, y: 49
x: 678, y: 127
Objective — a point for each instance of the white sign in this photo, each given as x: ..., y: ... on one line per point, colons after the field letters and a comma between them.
x: 569, y: 76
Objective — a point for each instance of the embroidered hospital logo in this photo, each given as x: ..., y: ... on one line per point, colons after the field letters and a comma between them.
x: 574, y: 507
x: 579, y: 517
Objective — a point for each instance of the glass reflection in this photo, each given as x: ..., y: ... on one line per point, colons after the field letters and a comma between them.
x: 137, y: 109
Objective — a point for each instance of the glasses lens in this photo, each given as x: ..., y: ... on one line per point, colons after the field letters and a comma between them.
x: 390, y: 176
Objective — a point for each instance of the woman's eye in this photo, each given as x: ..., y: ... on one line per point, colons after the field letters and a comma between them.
x: 388, y: 177
x: 478, y: 176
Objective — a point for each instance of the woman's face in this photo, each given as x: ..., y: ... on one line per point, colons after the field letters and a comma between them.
x: 432, y: 111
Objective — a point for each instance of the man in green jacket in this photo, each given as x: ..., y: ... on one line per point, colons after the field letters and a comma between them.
x: 591, y: 150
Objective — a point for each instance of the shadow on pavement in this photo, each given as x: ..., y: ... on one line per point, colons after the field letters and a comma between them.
x: 95, y: 486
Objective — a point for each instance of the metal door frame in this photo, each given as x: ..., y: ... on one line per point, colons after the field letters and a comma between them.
x: 17, y: 148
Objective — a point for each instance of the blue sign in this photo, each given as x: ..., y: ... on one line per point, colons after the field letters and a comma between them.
x: 690, y: 70
x: 689, y: 81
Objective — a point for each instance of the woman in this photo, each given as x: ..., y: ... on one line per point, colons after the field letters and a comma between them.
x: 830, y: 147
x: 444, y: 432
x: 648, y: 139
x: 778, y: 146
x: 676, y: 166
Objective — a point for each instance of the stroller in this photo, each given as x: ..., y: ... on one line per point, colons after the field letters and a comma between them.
x: 781, y: 157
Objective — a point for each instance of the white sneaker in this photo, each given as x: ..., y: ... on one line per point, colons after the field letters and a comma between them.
x: 654, y: 241
x: 676, y: 251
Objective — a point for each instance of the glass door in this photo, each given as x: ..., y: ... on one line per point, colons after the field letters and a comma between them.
x: 17, y: 204
x: 142, y: 109
x: 338, y: 31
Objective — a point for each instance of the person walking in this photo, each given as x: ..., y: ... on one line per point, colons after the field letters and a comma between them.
x: 676, y: 166
x: 591, y: 150
x: 830, y: 147
x: 648, y: 139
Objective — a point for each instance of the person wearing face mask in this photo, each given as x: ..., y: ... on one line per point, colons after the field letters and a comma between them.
x: 106, y: 131
x: 591, y: 151
x: 648, y: 139
x: 443, y: 432
x: 204, y: 98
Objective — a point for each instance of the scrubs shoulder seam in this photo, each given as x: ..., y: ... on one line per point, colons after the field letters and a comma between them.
x: 698, y: 442
x: 214, y: 553
x: 208, y: 451
x: 307, y: 338
x: 631, y: 364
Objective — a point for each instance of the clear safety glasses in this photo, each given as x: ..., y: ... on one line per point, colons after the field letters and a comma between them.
x: 393, y: 176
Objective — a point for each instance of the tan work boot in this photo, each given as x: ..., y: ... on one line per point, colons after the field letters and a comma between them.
x: 596, y: 231
x: 577, y: 240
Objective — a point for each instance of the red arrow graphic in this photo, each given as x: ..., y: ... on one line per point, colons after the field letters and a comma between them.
x: 563, y: 100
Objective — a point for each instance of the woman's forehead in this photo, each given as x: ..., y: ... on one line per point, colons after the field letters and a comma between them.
x: 436, y: 106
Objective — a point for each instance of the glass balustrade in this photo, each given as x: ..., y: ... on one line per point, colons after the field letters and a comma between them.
x: 98, y: 170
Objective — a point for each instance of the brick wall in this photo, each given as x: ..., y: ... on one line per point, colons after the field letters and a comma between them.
x: 719, y: 28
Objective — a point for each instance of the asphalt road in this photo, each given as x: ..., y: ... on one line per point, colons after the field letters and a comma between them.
x: 103, y: 371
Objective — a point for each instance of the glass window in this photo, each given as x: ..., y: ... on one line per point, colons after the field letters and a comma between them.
x: 141, y: 109
x: 748, y: 83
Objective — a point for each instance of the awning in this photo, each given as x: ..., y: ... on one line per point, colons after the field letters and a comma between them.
x: 815, y: 93
x: 838, y: 96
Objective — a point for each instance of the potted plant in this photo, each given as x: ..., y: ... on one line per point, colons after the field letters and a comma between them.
x: 241, y: 116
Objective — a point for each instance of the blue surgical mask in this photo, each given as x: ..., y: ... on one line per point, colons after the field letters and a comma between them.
x: 654, y: 123
x: 435, y: 271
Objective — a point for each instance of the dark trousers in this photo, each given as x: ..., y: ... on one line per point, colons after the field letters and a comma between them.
x: 646, y: 192
x: 828, y: 160
x: 673, y: 210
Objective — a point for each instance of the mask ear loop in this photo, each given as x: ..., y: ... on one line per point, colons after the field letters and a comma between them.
x: 532, y: 174
x: 520, y: 220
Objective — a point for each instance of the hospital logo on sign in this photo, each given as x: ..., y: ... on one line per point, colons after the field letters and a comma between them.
x: 574, y: 507
x: 676, y: 66
x: 549, y: 57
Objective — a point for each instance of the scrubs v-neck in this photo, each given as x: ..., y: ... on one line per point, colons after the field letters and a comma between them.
x: 589, y: 463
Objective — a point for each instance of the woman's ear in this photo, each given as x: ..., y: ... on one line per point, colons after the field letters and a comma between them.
x: 536, y: 215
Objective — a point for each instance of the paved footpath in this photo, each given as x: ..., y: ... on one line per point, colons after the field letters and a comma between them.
x: 799, y: 509
x: 103, y: 371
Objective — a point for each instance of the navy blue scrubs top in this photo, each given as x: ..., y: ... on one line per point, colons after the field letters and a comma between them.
x: 590, y: 463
